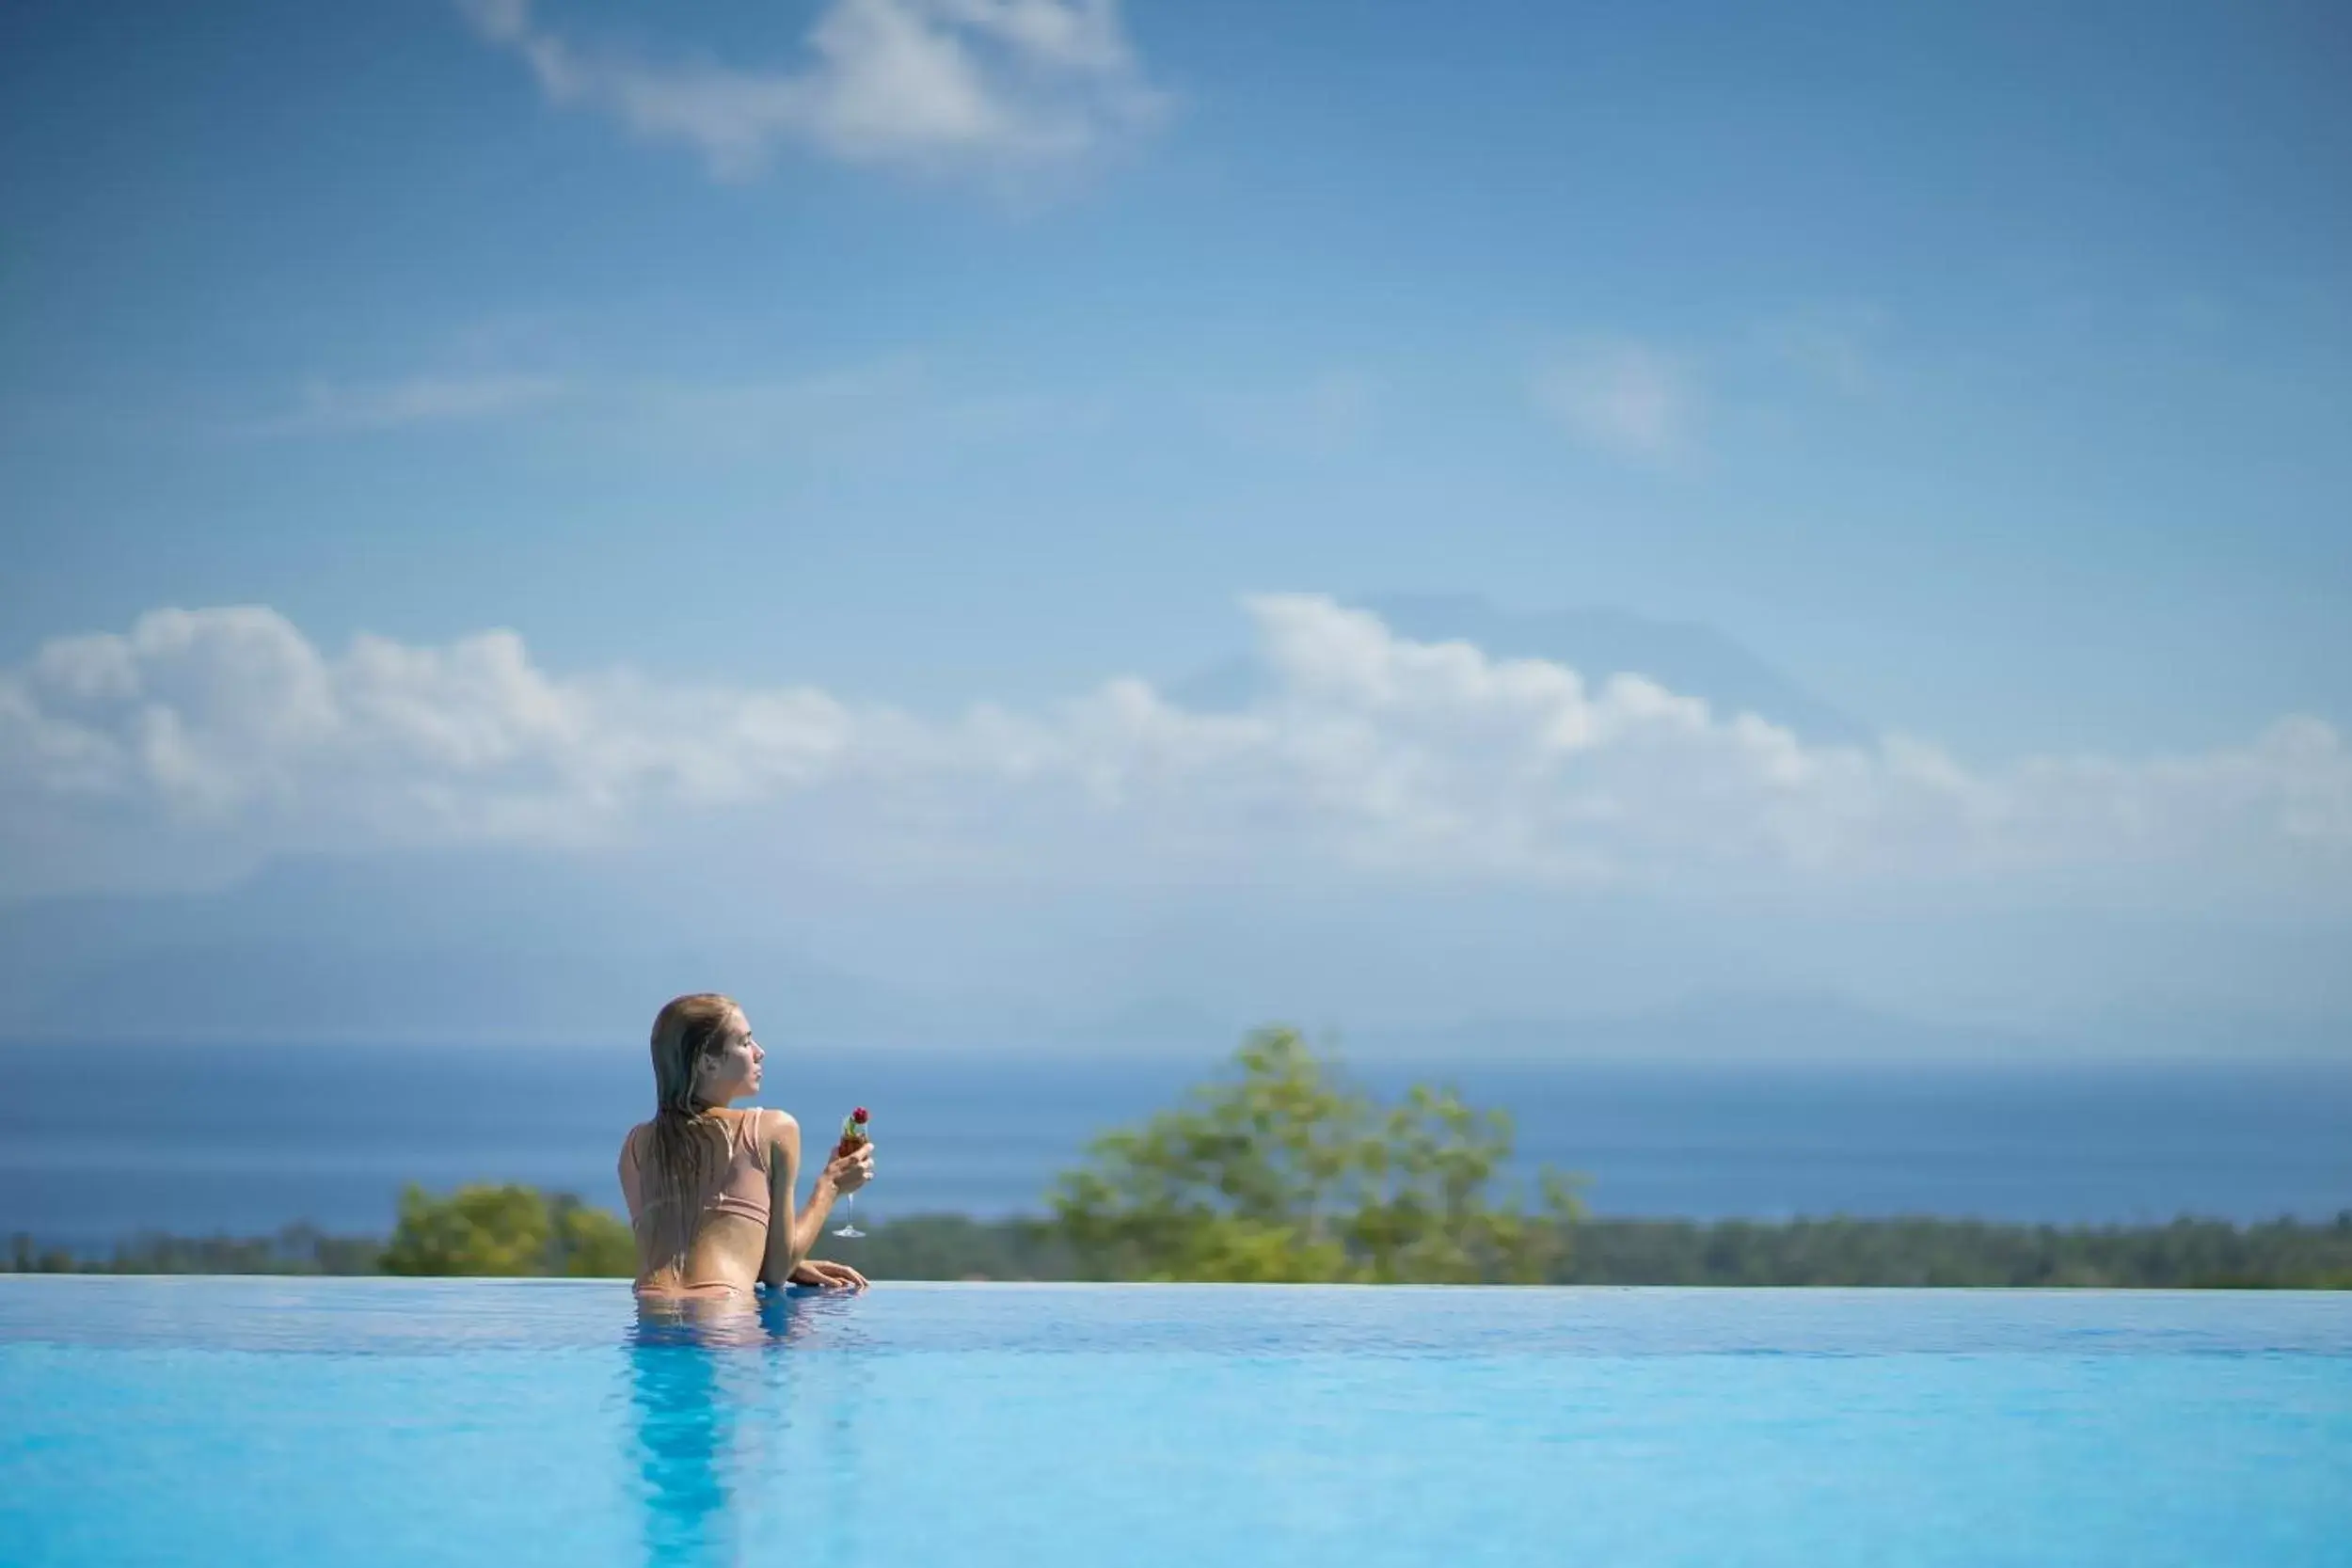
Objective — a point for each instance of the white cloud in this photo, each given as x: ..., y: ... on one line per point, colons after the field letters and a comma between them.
x: 924, y: 84
x: 227, y: 730
x: 896, y: 405
x: 338, y: 407
x: 1623, y: 398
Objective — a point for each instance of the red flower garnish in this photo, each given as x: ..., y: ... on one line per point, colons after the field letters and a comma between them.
x: 858, y: 1115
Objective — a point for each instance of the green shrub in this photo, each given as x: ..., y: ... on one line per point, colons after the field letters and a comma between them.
x: 507, y: 1232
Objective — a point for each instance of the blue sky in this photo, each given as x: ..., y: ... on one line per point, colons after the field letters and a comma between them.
x: 1983, y: 375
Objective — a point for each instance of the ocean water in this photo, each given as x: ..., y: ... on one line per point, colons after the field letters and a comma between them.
x: 324, y: 1423
x: 94, y: 1145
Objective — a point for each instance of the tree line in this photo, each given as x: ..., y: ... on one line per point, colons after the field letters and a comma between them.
x: 1284, y: 1170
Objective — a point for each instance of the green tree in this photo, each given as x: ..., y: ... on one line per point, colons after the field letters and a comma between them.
x: 507, y: 1232
x: 1287, y: 1172
x: 1423, y: 1213
x: 590, y: 1243
x: 475, y: 1231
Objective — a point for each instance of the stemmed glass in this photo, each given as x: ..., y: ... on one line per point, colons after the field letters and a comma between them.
x: 852, y: 1133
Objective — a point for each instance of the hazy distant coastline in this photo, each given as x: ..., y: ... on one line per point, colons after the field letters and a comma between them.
x: 2188, y: 1254
x: 224, y: 1140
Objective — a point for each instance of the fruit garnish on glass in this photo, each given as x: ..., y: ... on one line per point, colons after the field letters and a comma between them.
x: 853, y: 1133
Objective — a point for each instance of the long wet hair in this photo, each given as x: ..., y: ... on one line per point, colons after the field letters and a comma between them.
x: 687, y: 1146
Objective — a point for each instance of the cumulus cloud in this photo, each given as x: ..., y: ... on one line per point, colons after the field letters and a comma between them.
x: 1372, y: 755
x: 925, y: 85
x: 1625, y: 397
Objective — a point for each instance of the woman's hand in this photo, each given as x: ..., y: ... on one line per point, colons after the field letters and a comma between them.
x: 828, y: 1276
x: 849, y: 1172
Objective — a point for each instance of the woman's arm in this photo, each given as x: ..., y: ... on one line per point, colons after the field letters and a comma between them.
x: 791, y: 1232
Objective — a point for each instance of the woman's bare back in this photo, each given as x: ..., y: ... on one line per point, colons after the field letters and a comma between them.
x: 714, y: 1240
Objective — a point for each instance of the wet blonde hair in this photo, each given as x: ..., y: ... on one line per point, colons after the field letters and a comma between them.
x: 688, y: 1145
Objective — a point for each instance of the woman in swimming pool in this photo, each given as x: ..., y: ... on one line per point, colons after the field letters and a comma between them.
x: 709, y: 1188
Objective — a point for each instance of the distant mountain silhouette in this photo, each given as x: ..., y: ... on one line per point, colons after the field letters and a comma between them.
x: 1694, y: 661
x: 492, y: 946
x: 485, y: 947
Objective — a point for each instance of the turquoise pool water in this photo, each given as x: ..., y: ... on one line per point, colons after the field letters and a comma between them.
x: 268, y: 1422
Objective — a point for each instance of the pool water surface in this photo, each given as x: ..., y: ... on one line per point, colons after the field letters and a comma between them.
x: 349, y: 1421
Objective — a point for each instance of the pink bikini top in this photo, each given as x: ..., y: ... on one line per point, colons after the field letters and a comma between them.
x: 742, y: 1188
